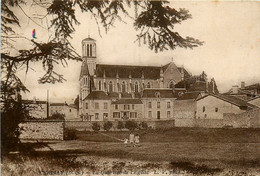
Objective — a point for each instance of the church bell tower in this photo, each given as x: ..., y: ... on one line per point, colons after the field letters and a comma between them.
x: 89, y: 54
x: 88, y: 68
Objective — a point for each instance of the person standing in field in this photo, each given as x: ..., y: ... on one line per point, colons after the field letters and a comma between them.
x: 125, y: 141
x: 137, y: 139
x: 131, y: 138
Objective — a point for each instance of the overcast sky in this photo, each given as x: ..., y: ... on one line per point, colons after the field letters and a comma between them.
x: 231, y: 53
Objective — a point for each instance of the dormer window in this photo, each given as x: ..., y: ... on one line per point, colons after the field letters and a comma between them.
x: 123, y: 87
x: 110, y: 86
x: 148, y: 85
x: 136, y: 86
x: 157, y: 95
x: 99, y: 85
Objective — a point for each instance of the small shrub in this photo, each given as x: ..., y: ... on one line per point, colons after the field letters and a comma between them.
x: 108, y: 125
x: 70, y: 134
x: 120, y: 125
x: 144, y: 125
x: 56, y: 116
x: 95, y: 126
x: 131, y: 125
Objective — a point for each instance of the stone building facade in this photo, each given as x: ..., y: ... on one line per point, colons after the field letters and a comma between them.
x: 214, y: 106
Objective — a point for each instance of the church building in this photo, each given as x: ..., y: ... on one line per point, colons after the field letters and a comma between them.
x: 105, y: 88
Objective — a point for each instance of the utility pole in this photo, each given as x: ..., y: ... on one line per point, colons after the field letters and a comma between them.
x: 47, y: 103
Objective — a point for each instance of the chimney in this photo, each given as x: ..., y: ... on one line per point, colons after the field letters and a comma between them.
x: 243, y: 84
x: 235, y: 89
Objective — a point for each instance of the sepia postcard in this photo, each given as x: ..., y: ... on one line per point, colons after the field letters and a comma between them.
x: 105, y: 88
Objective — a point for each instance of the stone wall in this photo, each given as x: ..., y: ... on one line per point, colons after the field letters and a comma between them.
x: 203, y: 123
x: 87, y: 125
x: 185, y: 122
x: 50, y: 130
x: 184, y: 109
x: 249, y: 119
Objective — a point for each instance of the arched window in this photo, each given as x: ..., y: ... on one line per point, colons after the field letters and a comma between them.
x: 87, y: 49
x: 105, y: 86
x: 136, y: 86
x: 110, y: 88
x: 123, y: 87
x: 171, y: 84
x: 148, y: 85
x: 99, y: 85
x: 90, y: 50
x: 86, y: 80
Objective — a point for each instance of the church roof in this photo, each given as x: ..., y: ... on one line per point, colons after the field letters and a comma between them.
x: 124, y: 71
x: 149, y: 72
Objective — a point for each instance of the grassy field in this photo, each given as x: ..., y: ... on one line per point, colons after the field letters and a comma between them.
x: 179, y: 135
x: 196, y: 150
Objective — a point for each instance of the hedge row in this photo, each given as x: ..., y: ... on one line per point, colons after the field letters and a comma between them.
x: 130, y: 125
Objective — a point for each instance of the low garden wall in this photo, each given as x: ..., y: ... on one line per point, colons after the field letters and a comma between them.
x: 87, y: 125
x: 49, y: 130
x: 202, y: 123
x: 249, y: 119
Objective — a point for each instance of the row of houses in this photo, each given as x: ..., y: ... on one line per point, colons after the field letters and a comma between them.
x: 162, y: 104
x: 39, y: 109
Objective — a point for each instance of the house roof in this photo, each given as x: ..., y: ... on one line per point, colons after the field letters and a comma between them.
x: 233, y: 100
x: 33, y: 102
x: 72, y: 106
x: 113, y: 94
x: 189, y: 96
x: 126, y: 95
x: 128, y: 101
x: 97, y: 95
x: 253, y: 86
x: 57, y: 104
x: 248, y: 90
x: 163, y: 93
x: 125, y: 71
x: 253, y: 98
